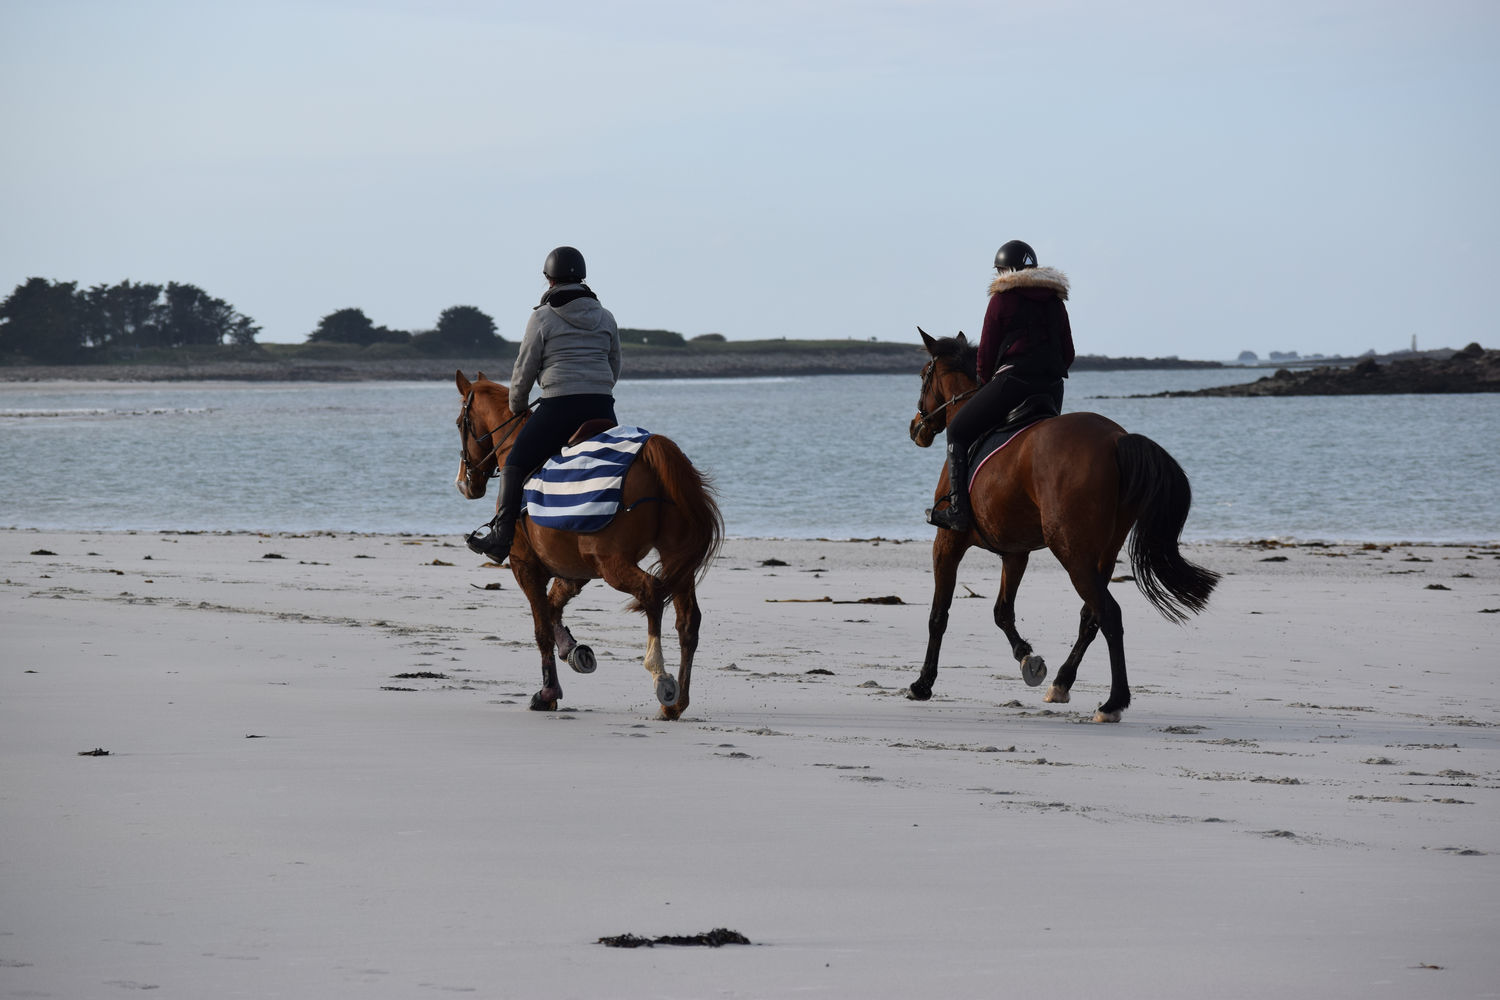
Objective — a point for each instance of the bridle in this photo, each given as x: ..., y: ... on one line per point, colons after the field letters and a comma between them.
x: 472, y: 469
x: 923, y: 417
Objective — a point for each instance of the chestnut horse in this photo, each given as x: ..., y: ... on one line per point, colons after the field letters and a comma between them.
x: 667, y: 506
x: 1075, y: 484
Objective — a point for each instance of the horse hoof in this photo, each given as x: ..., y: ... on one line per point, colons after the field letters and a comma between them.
x: 581, y: 659
x: 666, y: 690
x: 1100, y: 715
x: 1056, y: 695
x: 541, y: 704
x: 918, y: 694
x: 1033, y: 670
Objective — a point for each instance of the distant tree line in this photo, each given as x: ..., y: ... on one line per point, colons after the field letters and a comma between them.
x: 54, y: 322
x: 459, y: 330
x: 665, y: 338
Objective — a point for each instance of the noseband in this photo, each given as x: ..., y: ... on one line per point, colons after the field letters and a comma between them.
x: 473, y: 470
x: 924, y: 418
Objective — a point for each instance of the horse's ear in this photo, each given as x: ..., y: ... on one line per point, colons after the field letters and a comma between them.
x: 962, y: 340
x: 927, y: 340
x: 479, y: 376
x: 464, y: 385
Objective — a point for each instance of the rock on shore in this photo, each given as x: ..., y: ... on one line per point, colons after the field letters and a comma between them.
x: 1473, y: 369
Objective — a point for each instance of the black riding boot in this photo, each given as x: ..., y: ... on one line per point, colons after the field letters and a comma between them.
x: 954, y: 516
x: 495, y: 541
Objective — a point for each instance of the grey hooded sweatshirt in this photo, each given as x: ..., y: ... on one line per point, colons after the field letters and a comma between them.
x: 569, y: 350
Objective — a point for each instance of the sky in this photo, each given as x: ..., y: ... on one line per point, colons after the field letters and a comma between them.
x: 1309, y: 175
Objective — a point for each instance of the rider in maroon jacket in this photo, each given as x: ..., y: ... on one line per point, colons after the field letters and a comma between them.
x: 1025, y: 350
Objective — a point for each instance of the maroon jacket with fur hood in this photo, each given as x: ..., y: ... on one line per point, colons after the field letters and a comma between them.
x: 1027, y: 306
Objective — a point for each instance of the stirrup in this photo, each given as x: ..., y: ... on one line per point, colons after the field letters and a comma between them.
x: 950, y: 517
x: 494, y: 542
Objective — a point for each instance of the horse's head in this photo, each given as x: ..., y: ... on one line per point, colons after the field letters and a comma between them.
x: 947, y: 380
x: 486, y: 431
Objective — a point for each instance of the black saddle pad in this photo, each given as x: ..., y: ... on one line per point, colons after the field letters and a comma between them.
x: 1030, y: 410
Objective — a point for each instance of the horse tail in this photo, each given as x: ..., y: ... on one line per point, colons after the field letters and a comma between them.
x: 1153, y: 484
x: 694, y: 526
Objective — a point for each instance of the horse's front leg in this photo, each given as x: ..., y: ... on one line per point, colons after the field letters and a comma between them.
x: 532, y: 579
x: 576, y: 655
x: 946, y: 555
x: 1012, y: 569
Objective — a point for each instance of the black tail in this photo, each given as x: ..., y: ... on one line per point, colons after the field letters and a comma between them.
x: 1154, y: 484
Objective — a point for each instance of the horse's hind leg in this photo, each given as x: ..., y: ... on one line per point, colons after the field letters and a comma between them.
x: 532, y: 579
x: 688, y: 620
x: 1093, y: 587
x: 1113, y: 627
x: 1012, y: 569
x: 1088, y: 627
x: 650, y: 596
x: 577, y: 655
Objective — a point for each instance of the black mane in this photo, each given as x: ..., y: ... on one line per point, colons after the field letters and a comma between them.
x: 960, y: 353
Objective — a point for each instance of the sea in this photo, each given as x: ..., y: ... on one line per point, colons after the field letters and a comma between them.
x: 823, y: 456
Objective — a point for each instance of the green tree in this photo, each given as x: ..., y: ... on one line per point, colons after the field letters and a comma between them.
x: 192, y: 316
x: 344, y: 326
x: 465, y: 330
x: 123, y: 315
x: 38, y: 322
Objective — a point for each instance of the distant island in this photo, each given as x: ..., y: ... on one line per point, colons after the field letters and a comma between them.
x: 647, y: 354
x: 1473, y: 369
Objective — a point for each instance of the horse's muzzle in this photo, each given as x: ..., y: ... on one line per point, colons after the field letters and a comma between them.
x: 469, y: 489
x: 921, y: 433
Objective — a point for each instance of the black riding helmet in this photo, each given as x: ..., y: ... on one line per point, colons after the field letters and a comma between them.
x: 1015, y: 256
x: 565, y: 264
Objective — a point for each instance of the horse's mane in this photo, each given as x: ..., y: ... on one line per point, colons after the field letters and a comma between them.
x: 482, y: 383
x: 958, y: 352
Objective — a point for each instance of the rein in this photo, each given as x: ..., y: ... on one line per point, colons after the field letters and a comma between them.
x: 466, y: 435
x: 924, y: 417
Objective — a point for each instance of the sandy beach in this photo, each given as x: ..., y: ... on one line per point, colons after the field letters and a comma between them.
x: 240, y: 765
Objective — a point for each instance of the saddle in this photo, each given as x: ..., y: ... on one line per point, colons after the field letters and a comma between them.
x: 1029, y: 411
x: 588, y: 429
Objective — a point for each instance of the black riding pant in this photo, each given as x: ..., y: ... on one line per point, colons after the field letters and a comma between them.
x: 551, y: 424
x: 989, y: 407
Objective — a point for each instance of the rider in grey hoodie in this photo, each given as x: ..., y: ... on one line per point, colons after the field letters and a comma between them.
x: 571, y: 350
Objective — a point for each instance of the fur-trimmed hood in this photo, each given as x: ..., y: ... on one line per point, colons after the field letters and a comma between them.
x: 1048, y: 278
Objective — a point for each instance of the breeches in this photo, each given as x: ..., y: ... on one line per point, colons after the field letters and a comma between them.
x: 551, y: 424
x: 989, y: 407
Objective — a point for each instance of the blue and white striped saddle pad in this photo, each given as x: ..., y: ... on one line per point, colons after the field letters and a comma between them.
x: 580, y: 489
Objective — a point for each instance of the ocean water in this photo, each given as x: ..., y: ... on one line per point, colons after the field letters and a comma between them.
x: 804, y: 457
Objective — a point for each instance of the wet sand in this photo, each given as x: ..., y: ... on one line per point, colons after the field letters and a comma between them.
x: 303, y: 766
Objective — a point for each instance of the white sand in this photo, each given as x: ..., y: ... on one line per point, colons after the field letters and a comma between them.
x: 1301, y: 802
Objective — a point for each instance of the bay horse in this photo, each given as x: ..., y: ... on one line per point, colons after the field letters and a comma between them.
x: 667, y: 506
x: 1075, y: 484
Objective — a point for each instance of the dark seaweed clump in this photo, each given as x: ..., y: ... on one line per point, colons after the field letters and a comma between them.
x: 710, y: 939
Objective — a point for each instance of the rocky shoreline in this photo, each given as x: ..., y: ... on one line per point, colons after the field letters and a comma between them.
x: 876, y: 359
x: 1473, y: 369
